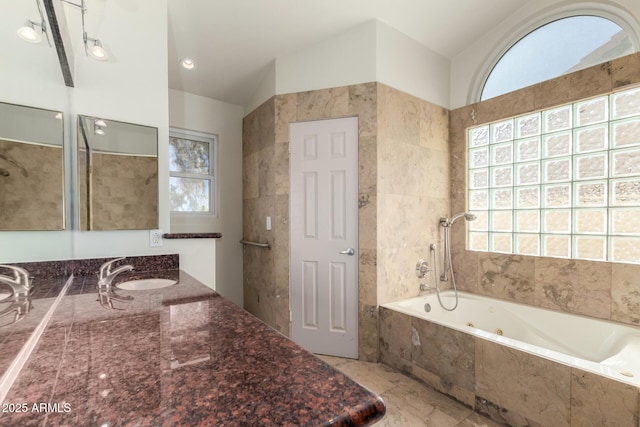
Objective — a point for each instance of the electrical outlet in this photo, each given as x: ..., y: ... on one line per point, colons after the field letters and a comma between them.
x: 155, y: 238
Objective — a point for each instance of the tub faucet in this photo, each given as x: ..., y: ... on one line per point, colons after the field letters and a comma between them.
x: 425, y: 287
x: 20, y: 282
x: 107, y: 275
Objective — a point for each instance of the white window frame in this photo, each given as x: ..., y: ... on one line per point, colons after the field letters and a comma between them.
x: 212, y: 139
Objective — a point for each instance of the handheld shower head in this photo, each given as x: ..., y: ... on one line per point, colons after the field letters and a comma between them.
x: 448, y: 222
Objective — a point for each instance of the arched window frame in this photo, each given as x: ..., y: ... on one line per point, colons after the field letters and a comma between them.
x: 618, y: 16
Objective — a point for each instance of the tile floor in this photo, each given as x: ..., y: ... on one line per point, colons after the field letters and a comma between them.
x: 410, y: 403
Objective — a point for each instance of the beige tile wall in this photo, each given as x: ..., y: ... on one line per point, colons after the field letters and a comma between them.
x: 510, y: 386
x: 598, y: 289
x: 31, y: 187
x: 124, y: 192
x: 403, y: 190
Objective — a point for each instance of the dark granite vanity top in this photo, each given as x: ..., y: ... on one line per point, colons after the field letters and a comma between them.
x: 181, y: 355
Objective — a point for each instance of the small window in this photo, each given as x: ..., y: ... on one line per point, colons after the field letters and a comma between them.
x: 557, y: 48
x: 192, y: 169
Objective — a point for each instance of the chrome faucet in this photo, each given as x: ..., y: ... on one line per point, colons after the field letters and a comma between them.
x: 425, y: 287
x: 107, y: 275
x: 20, y: 282
x: 18, y: 309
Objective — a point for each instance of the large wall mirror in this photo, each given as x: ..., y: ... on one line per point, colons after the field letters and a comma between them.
x: 31, y: 169
x: 117, y: 175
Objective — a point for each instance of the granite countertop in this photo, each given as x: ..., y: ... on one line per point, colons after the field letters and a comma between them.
x: 181, y: 355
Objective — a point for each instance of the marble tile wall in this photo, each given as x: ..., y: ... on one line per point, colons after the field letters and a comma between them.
x: 31, y: 187
x: 403, y: 190
x: 413, y: 188
x: 124, y: 193
x: 598, y: 289
x: 507, y: 385
x: 266, y: 192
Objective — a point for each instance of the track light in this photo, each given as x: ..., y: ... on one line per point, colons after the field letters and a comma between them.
x: 92, y: 47
x: 29, y: 33
x: 98, y: 126
x: 96, y: 51
x: 32, y: 31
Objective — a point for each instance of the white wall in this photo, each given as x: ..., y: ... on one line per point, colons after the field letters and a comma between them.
x: 196, y: 113
x: 408, y: 66
x: 348, y: 58
x: 475, y: 62
x: 369, y: 52
x: 266, y: 89
x: 30, y: 75
x: 130, y: 87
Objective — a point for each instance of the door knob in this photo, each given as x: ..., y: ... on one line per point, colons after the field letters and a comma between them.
x: 349, y: 252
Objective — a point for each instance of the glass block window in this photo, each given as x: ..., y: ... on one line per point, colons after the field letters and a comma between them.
x: 562, y: 182
x: 192, y: 180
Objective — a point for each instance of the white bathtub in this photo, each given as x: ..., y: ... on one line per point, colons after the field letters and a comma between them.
x: 597, y: 346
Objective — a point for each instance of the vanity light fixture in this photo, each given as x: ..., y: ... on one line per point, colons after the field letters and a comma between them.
x: 98, y: 130
x: 188, y: 63
x: 92, y: 47
x: 32, y: 31
x: 101, y: 123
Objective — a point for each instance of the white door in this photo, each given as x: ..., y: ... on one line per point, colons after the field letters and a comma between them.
x: 324, y: 236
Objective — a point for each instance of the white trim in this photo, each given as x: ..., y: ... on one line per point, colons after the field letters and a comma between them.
x: 621, y: 17
x: 214, y: 188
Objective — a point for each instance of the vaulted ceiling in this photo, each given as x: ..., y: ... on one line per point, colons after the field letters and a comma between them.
x: 234, y: 41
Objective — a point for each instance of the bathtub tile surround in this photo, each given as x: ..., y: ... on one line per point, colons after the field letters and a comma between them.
x: 529, y: 387
x: 450, y: 353
x: 509, y: 386
x: 625, y: 293
x: 398, y: 134
x: 507, y: 277
x: 600, y: 401
x: 591, y: 288
x: 574, y: 286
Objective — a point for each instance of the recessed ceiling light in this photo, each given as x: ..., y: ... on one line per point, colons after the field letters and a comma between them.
x: 188, y: 64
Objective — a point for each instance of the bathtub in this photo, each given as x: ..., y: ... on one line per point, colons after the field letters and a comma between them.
x: 597, y: 346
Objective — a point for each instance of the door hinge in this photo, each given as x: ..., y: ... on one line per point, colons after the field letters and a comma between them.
x: 290, y: 317
x: 289, y: 147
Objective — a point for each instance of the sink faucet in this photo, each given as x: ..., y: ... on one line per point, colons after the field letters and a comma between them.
x: 18, y: 309
x: 20, y: 282
x: 107, y: 275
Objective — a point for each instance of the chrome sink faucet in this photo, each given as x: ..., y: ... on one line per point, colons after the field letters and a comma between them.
x: 107, y: 275
x: 20, y: 282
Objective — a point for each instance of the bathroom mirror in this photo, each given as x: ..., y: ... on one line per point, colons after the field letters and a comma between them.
x: 117, y: 175
x: 31, y: 169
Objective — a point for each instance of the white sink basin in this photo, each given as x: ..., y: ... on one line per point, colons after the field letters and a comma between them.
x: 145, y: 284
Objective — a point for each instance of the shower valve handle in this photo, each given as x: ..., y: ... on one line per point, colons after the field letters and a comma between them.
x: 422, y: 268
